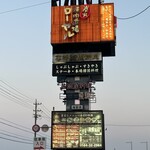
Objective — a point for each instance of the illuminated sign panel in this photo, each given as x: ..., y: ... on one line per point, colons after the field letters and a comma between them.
x: 82, y: 23
x: 77, y: 130
x: 75, y: 85
x: 83, y: 68
x: 107, y: 22
x: 76, y: 57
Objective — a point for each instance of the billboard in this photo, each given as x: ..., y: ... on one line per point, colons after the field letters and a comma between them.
x: 76, y: 57
x: 82, y: 23
x: 78, y: 68
x: 77, y: 130
x: 76, y: 85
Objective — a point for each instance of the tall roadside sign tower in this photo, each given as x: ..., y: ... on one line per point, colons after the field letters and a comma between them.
x: 82, y: 33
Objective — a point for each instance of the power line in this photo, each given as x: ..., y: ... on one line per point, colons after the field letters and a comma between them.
x: 46, y: 117
x: 45, y: 112
x: 46, y: 109
x: 128, y: 125
x: 34, y: 5
x: 12, y: 94
x: 17, y: 137
x: 14, y: 99
x: 15, y: 140
x: 17, y: 9
x: 13, y: 88
x: 133, y: 16
x: 15, y: 134
x: 14, y: 123
x: 18, y: 128
x: 125, y: 18
x: 15, y: 95
x: 19, y: 98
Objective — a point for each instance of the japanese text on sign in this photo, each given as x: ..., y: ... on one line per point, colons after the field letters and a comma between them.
x: 71, y: 28
x: 85, y: 13
x: 107, y: 19
x: 77, y: 130
x: 76, y: 57
x: 77, y: 68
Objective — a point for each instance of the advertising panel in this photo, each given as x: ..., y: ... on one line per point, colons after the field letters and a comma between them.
x: 76, y: 85
x: 82, y: 23
x: 78, y: 68
x: 78, y: 129
x: 76, y: 57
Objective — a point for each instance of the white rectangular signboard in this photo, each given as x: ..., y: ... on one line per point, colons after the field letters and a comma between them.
x: 40, y: 143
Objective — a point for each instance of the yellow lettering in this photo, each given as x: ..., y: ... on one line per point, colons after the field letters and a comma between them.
x: 67, y: 12
x: 70, y: 34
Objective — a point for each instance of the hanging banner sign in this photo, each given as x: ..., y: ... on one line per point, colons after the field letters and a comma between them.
x: 84, y: 68
x: 76, y: 57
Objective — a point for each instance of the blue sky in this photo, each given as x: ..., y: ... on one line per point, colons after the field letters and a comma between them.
x: 26, y: 64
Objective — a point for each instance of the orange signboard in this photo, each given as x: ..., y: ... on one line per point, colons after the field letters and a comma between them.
x: 82, y: 23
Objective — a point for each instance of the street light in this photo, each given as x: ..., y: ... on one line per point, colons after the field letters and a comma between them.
x: 130, y: 144
x: 146, y: 143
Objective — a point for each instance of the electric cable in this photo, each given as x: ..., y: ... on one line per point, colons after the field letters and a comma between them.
x: 120, y: 18
x: 128, y: 125
x: 125, y: 18
x: 24, y: 105
x: 13, y: 88
x: 11, y: 133
x: 18, y: 97
x: 9, y: 94
x: 13, y: 94
x: 45, y: 108
x: 15, y: 127
x: 13, y: 136
x: 20, y: 102
x: 18, y: 128
x: 28, y: 141
x: 14, y: 123
x: 45, y: 114
x: 46, y: 118
x: 14, y: 99
x: 14, y: 140
x: 25, y: 7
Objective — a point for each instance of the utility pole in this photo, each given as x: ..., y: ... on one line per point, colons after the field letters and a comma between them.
x: 36, y: 115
